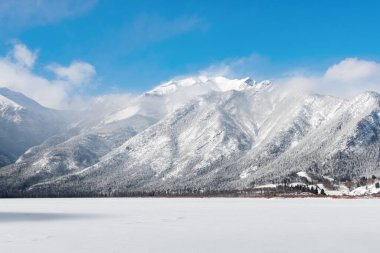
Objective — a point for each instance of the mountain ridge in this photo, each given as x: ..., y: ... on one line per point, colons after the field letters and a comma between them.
x: 209, y: 133
x: 23, y: 124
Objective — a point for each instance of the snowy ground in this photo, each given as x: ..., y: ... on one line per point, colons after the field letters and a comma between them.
x: 189, y: 225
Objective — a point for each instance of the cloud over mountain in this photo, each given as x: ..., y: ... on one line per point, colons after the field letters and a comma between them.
x: 17, y: 73
x: 346, y: 78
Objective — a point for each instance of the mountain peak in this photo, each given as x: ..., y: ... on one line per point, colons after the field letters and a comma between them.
x: 249, y: 81
x: 372, y: 94
x: 263, y: 84
x: 206, y: 83
x: 367, y: 97
x: 5, y: 102
x: 17, y: 99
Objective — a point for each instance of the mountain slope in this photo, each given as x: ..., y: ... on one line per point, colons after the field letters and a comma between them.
x: 23, y: 124
x: 344, y: 148
x: 91, y: 139
x: 207, y: 133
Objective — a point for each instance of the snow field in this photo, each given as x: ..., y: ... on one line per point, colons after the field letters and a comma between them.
x: 189, y: 225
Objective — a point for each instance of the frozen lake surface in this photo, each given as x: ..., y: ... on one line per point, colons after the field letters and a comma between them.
x: 189, y: 225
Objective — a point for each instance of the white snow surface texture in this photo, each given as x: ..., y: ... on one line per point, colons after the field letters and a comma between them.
x: 188, y: 225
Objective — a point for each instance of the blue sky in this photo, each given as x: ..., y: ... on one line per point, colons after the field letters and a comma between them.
x: 135, y: 44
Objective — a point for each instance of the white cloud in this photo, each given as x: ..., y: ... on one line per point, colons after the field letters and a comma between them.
x: 23, y: 56
x: 77, y: 73
x: 17, y: 74
x: 353, y: 69
x: 237, y: 67
x: 146, y: 29
x: 347, y: 78
x: 150, y: 28
x: 27, y: 13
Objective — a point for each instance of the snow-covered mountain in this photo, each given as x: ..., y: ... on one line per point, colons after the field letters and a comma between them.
x: 208, y: 133
x: 23, y: 124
